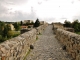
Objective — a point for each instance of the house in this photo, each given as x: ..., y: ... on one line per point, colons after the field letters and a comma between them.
x: 11, y: 26
x: 27, y: 21
x: 24, y: 27
x: 42, y: 22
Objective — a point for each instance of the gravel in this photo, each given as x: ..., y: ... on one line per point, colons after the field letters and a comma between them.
x: 47, y: 47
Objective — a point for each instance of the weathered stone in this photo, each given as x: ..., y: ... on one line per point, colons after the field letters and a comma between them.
x: 0, y: 58
x: 11, y: 58
x: 71, y: 40
x: 16, y: 48
x: 3, y: 58
x: 47, y: 48
x: 3, y: 50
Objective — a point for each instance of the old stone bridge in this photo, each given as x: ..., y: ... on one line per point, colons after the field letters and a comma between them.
x: 63, y: 45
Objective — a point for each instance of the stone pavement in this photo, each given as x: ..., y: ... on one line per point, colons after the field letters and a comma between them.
x: 47, y: 47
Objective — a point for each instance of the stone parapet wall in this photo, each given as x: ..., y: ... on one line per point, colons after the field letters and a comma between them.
x: 71, y: 41
x: 69, y: 29
x: 57, y: 25
x: 61, y: 26
x: 41, y: 28
x: 16, y: 48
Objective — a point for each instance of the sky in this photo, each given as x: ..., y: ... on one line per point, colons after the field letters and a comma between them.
x: 44, y: 10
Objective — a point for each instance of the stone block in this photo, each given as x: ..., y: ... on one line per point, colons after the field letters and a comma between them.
x: 11, y: 58
x: 3, y: 50
x: 78, y: 57
x: 16, y: 48
x: 3, y: 58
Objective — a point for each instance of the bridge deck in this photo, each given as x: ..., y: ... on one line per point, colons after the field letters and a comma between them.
x: 47, y: 48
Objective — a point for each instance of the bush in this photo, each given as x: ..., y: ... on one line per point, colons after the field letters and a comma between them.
x: 13, y: 34
x: 37, y: 23
x: 2, y: 39
x: 29, y: 26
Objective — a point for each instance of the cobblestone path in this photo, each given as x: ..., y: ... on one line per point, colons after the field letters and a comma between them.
x: 47, y: 47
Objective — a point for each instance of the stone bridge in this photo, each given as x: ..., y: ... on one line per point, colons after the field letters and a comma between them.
x: 63, y: 45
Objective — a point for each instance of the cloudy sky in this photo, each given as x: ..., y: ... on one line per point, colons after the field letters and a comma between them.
x: 47, y: 10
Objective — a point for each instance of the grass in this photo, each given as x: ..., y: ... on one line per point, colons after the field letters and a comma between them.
x: 78, y: 33
x: 36, y: 37
x: 14, y: 33
x: 27, y: 54
x: 11, y: 34
x: 40, y: 34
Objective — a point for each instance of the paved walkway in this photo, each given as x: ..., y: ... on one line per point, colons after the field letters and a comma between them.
x: 47, y: 47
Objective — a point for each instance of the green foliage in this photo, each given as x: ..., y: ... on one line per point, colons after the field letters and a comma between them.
x: 67, y: 23
x: 37, y: 23
x: 16, y: 26
x: 78, y: 33
x: 13, y: 33
x: 75, y: 24
x: 36, y: 37
x: 16, y: 33
x: 2, y: 39
x: 10, y: 34
x: 32, y: 23
x: 21, y: 23
x: 5, y: 31
x: 2, y: 24
x: 8, y: 27
x: 27, y: 54
x: 29, y: 26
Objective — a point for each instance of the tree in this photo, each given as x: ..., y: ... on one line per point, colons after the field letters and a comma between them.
x: 17, y: 26
x: 67, y: 23
x: 21, y: 23
x: 76, y: 25
x: 37, y: 23
x: 2, y: 24
x: 32, y: 23
x: 5, y: 31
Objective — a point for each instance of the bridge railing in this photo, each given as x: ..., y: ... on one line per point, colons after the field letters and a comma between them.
x: 70, y: 40
x: 16, y: 48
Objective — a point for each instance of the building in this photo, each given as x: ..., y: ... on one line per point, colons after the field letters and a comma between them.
x: 11, y: 26
x: 42, y: 22
x: 24, y: 27
x: 27, y: 21
x: 58, y: 25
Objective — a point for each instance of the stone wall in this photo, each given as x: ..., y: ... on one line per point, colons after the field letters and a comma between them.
x: 71, y: 41
x: 69, y: 29
x: 16, y: 48
x: 41, y: 28
x: 60, y: 25
x: 57, y: 25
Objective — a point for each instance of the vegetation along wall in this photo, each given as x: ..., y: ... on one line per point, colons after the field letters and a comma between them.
x: 70, y: 40
x: 17, y: 48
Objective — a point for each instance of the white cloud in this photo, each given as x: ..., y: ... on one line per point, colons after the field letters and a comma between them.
x: 48, y: 10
